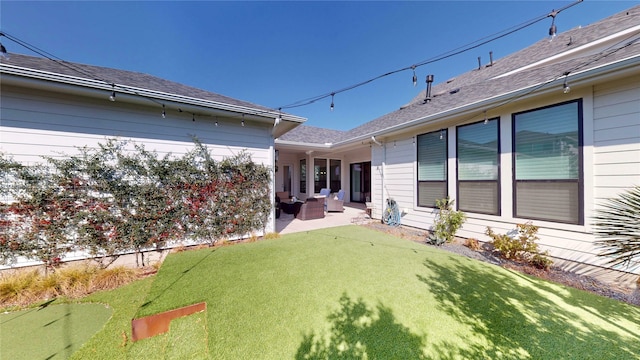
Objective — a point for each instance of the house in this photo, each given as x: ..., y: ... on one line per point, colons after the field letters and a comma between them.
x: 543, y: 135
x: 50, y: 108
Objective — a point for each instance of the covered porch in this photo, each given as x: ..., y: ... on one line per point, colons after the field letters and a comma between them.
x: 354, y: 213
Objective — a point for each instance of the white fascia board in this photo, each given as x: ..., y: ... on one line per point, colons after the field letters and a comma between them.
x: 302, y: 145
x: 537, y: 89
x: 577, y: 50
x: 260, y: 114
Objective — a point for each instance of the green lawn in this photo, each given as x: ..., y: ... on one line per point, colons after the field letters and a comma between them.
x: 341, y: 293
x: 62, y: 329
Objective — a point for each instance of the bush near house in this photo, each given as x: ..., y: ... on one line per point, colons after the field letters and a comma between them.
x: 447, y: 222
x: 521, y: 248
x: 111, y: 200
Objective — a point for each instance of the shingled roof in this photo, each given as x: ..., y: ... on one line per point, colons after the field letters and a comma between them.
x: 122, y: 78
x: 504, y: 76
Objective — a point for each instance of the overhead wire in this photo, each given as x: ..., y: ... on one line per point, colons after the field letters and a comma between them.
x: 457, y: 51
x: 308, y: 101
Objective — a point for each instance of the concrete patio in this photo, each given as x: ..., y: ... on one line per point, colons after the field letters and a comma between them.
x: 353, y: 213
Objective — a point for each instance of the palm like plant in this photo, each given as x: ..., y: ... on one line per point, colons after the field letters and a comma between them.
x: 617, y: 225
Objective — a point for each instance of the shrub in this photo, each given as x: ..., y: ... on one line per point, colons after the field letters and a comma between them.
x: 520, y: 248
x: 271, y: 235
x: 472, y: 244
x: 447, y: 222
x: 617, y: 225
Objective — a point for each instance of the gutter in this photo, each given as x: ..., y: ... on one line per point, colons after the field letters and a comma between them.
x: 259, y: 114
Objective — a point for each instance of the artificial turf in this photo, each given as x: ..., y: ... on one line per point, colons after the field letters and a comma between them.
x: 354, y: 293
x: 49, y: 332
x: 349, y: 291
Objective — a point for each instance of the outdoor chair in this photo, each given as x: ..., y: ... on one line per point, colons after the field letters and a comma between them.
x: 324, y: 194
x: 336, y: 203
x: 313, y: 208
x: 283, y: 195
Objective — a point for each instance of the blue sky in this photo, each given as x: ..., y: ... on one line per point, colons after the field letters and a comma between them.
x: 277, y: 53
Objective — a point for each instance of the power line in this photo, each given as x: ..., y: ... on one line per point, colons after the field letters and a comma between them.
x: 470, y: 46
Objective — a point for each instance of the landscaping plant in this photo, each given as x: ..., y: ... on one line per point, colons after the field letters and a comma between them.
x: 617, y: 226
x: 446, y: 223
x: 521, y: 248
x: 119, y: 197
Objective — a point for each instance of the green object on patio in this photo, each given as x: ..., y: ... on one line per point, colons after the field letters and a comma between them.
x: 50, y: 332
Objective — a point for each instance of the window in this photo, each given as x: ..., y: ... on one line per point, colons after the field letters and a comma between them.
x: 334, y: 178
x: 478, y: 167
x: 319, y: 174
x: 432, y: 167
x: 303, y: 176
x: 547, y: 146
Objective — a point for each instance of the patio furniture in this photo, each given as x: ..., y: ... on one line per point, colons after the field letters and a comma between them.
x: 291, y: 207
x: 324, y: 194
x: 313, y: 208
x: 283, y: 195
x: 336, y: 203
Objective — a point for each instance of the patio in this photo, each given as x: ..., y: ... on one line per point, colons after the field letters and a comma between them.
x: 353, y: 213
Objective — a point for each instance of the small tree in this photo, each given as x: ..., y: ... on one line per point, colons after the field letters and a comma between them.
x: 617, y: 225
x: 447, y: 222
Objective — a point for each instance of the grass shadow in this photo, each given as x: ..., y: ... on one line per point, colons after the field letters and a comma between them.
x: 513, y: 316
x: 173, y: 278
x: 359, y: 332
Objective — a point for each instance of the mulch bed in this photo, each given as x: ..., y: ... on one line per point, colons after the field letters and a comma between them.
x: 486, y: 253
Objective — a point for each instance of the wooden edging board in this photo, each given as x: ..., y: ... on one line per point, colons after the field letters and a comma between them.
x: 153, y: 325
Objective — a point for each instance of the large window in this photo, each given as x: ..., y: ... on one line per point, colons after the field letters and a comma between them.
x: 547, y: 146
x: 319, y: 174
x: 478, y: 169
x: 303, y: 176
x: 432, y: 167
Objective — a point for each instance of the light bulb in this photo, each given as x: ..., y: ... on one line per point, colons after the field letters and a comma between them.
x: 415, y: 78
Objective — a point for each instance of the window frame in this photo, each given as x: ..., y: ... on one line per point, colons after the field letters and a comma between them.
x: 499, y: 169
x: 579, y: 180
x: 444, y: 134
x: 303, y: 176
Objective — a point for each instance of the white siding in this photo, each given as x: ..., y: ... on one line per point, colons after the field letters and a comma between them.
x: 616, y: 137
x: 611, y: 155
x: 36, y: 124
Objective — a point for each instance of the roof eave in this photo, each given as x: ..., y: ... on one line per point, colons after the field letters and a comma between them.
x: 139, y: 95
x: 621, y: 67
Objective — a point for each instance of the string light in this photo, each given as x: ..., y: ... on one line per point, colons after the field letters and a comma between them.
x: 441, y: 134
x: 486, y: 121
x: 112, y: 97
x: 216, y: 123
x: 446, y: 55
x: 565, y: 87
x: 331, y: 107
x: 553, y: 29
x: 242, y: 122
x: 164, y: 113
x: 415, y: 78
x: 193, y: 117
